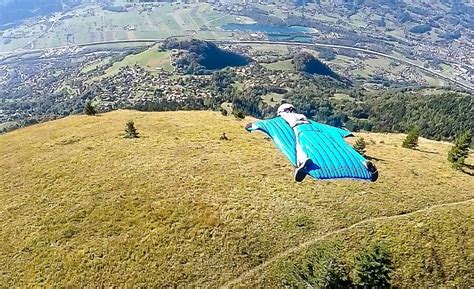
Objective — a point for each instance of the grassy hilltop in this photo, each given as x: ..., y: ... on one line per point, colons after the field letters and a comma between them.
x: 80, y: 205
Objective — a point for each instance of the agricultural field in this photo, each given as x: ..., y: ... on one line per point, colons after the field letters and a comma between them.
x: 93, y: 24
x: 274, y: 48
x: 284, y: 65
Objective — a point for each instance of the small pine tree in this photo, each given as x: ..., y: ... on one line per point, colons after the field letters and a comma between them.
x: 238, y: 114
x: 130, y: 130
x: 335, y: 276
x: 360, y: 145
x: 372, y: 267
x: 322, y: 268
x: 459, y: 152
x: 224, y: 136
x: 89, y: 109
x: 411, y: 141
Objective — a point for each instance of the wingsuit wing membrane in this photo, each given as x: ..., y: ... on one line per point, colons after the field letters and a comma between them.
x: 332, y: 157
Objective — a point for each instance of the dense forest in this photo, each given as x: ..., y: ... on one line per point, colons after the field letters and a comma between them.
x: 438, y: 116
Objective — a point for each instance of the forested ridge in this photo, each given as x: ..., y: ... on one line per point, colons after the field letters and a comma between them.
x: 438, y: 116
x: 306, y: 62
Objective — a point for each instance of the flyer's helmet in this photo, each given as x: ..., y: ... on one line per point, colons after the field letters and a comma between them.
x: 286, y: 107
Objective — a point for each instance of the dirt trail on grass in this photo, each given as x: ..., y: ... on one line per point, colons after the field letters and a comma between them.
x: 310, y: 242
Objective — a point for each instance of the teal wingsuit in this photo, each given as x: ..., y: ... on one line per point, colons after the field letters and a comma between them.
x: 331, y: 156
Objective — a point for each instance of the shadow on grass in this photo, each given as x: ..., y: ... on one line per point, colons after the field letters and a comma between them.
x: 374, y: 159
x: 470, y: 173
x: 471, y: 167
x: 428, y: 152
x: 468, y: 169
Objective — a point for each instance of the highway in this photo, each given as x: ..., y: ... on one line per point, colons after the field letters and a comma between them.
x: 246, y: 42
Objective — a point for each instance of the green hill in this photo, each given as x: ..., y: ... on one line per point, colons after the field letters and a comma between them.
x: 202, y: 57
x: 306, y: 62
x: 81, y: 205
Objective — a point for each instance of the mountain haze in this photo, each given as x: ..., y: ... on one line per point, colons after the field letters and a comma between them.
x: 14, y: 11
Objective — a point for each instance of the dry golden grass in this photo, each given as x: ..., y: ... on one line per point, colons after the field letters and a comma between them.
x: 430, y: 249
x: 81, y: 205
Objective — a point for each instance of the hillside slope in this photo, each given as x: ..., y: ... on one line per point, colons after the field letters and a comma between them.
x: 81, y: 205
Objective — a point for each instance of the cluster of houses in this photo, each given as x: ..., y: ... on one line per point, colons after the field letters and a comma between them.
x: 134, y: 84
x: 255, y: 75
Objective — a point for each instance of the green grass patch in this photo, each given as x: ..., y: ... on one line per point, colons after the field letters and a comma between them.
x: 284, y: 65
x: 150, y: 60
x: 378, y: 62
x: 342, y: 97
x: 281, y: 49
x: 272, y: 99
x: 95, y: 65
